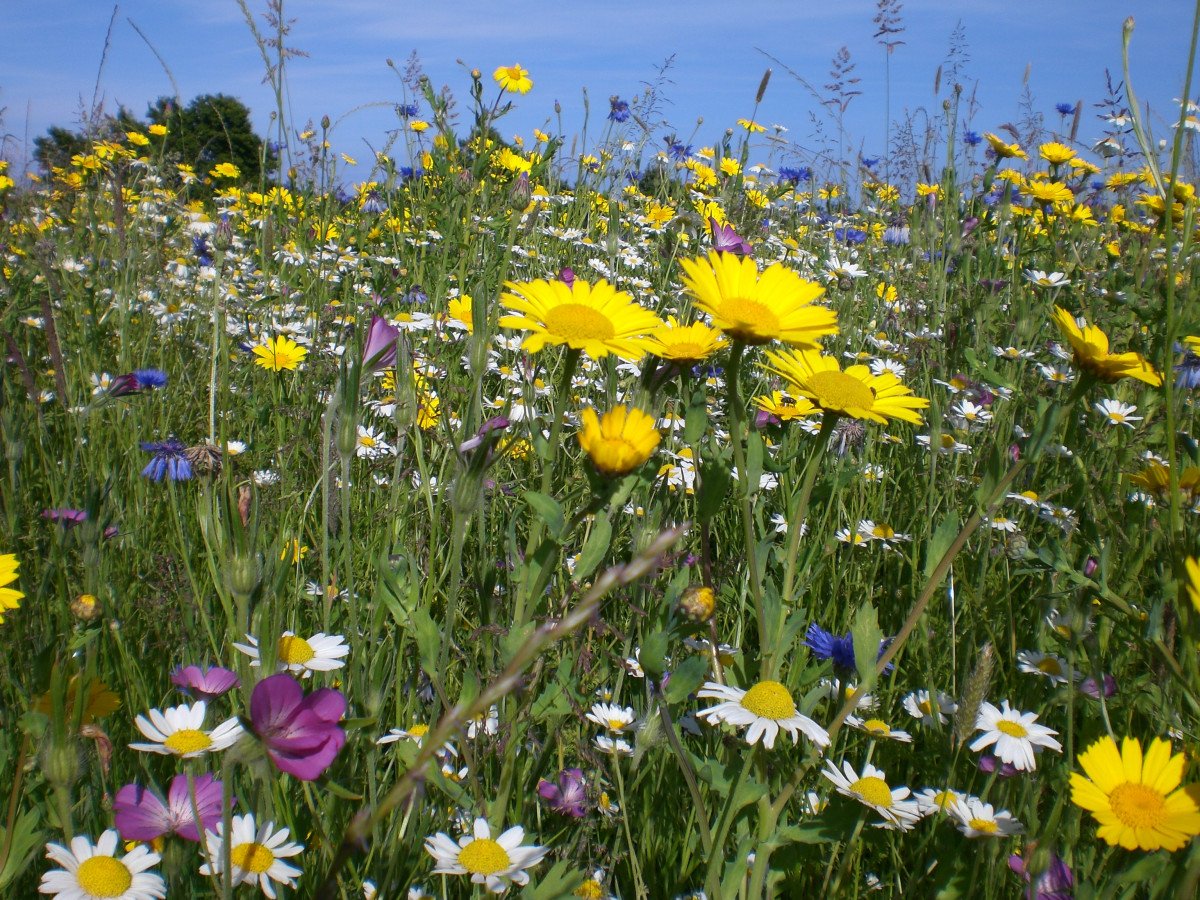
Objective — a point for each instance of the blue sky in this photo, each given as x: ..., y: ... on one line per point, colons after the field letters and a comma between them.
x: 53, y: 50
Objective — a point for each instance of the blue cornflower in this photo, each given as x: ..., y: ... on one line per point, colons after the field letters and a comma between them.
x: 633, y: 176
x: 870, y: 163
x: 897, y: 235
x: 679, y: 151
x: 416, y: 295
x: 408, y: 110
x: 169, y: 460
x: 794, y: 175
x: 1065, y: 109
x: 850, y: 235
x: 1188, y: 372
x: 620, y: 109
x: 838, y: 648
x: 374, y: 203
x: 972, y: 138
x: 150, y: 378
x: 201, y: 251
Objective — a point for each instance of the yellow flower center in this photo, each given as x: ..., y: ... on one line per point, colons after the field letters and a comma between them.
x: 574, y: 321
x: 295, y: 651
x: 873, y: 790
x: 483, y: 856
x: 365, y: 440
x: 883, y: 532
x: 251, y: 858
x: 1012, y: 729
x: 590, y: 890
x: 103, y: 876
x: 770, y: 700
x: 749, y: 320
x: 187, y: 740
x: 876, y: 726
x: 944, y: 799
x: 987, y: 826
x: 616, y: 724
x: 419, y: 731
x: 926, y: 707
x: 840, y: 392
x: 1137, y: 805
x: 683, y: 350
x: 1049, y: 666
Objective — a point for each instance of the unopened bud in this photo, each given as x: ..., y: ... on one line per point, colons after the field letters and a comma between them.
x: 325, y: 123
x: 60, y: 764
x: 699, y: 601
x: 243, y: 573
x: 86, y: 608
x: 520, y: 192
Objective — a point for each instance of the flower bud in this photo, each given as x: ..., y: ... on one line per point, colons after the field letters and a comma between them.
x: 243, y: 573
x: 86, y: 608
x: 60, y: 764
x: 698, y: 603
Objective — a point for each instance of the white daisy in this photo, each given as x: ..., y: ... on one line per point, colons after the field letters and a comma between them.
x: 485, y: 723
x: 369, y: 444
x: 1117, y: 413
x: 878, y: 728
x: 319, y: 653
x: 616, y: 746
x: 255, y: 854
x: 881, y: 532
x: 1056, y: 375
x: 1000, y: 523
x: 979, y: 819
x: 1016, y: 735
x: 1047, y: 279
x: 872, y: 790
x: 615, y: 718
x: 96, y: 872
x: 930, y: 707
x: 179, y: 731
x: 415, y: 733
x: 495, y: 863
x: 852, y: 537
x: 932, y: 800
x: 766, y: 707
x: 1054, y: 668
x: 839, y: 693
x: 970, y: 415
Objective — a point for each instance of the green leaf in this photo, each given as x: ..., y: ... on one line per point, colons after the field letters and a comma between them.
x: 560, y: 881
x: 714, y: 486
x: 654, y: 652
x: 548, y: 510
x: 866, y: 635
x: 594, y: 549
x: 939, y: 542
x: 754, y: 461
x: 515, y: 640
x: 340, y: 792
x: 696, y: 418
x: 1048, y: 416
x: 429, y: 640
x: 686, y: 678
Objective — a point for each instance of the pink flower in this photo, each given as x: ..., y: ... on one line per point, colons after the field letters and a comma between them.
x: 300, y: 733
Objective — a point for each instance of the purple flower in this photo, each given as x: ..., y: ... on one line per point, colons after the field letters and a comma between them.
x: 141, y: 814
x: 380, y: 349
x: 65, y: 515
x: 567, y: 276
x: 619, y: 111
x: 990, y: 764
x: 568, y: 797
x: 1093, y: 688
x: 726, y: 240
x: 123, y: 385
x: 1055, y: 883
x: 168, y: 460
x: 300, y: 733
x: 204, y: 684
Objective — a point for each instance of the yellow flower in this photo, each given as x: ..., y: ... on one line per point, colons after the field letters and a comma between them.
x: 98, y: 702
x: 10, y: 598
x: 1003, y: 150
x: 1056, y: 154
x: 293, y: 549
x: 418, y: 126
x: 785, y: 408
x: 1049, y: 192
x: 658, y: 215
x: 597, y: 319
x: 1156, y: 479
x: 513, y: 78
x: 279, y: 353
x: 1193, y: 581
x: 1091, y: 353
x: 460, y: 311
x: 1137, y: 799
x: 225, y: 170
x: 137, y: 138
x: 684, y: 344
x: 854, y: 392
x: 750, y: 126
x: 756, y: 309
x: 620, y: 441
x: 157, y: 130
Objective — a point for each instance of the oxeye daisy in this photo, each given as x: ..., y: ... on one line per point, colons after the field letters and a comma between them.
x: 1016, y: 735
x: 871, y: 789
x: 979, y: 819
x: 853, y: 392
x: 496, y: 863
x: 1117, y: 413
x: 416, y: 733
x: 92, y: 872
x: 766, y: 707
x: 877, y: 728
x: 930, y: 708
x: 1054, y: 668
x: 303, y: 656
x: 757, y: 308
x: 595, y: 319
x: 932, y: 801
x: 255, y: 854
x: 179, y: 731
x: 612, y: 717
x: 1137, y: 799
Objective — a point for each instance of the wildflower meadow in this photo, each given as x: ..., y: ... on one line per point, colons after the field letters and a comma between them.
x: 655, y: 517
